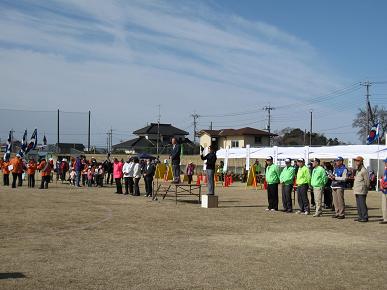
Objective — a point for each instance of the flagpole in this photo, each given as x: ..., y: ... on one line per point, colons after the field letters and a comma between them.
x: 378, y: 166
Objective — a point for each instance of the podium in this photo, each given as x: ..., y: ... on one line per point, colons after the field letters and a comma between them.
x: 209, y: 201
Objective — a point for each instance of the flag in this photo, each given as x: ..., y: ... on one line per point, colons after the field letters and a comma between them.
x: 23, y: 145
x: 44, y: 140
x: 8, y: 148
x: 33, y: 141
x: 374, y: 134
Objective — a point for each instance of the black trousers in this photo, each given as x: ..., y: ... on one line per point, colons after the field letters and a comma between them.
x: 63, y: 176
x: 328, y: 197
x: 149, y: 185
x: 362, y: 209
x: 31, y: 180
x: 45, y: 181
x: 272, y: 196
x: 303, y: 201
x: 287, y: 196
x: 128, y: 185
x: 136, y: 187
x: 17, y: 177
x: 6, y: 179
x: 109, y: 178
x: 189, y: 179
x: 118, y: 185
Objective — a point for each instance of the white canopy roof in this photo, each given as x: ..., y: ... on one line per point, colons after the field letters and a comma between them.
x: 323, y: 152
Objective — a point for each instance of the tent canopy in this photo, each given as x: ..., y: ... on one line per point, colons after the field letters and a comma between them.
x: 323, y: 152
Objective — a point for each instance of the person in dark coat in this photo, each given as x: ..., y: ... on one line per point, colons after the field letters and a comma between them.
x: 175, y: 159
x: 149, y: 173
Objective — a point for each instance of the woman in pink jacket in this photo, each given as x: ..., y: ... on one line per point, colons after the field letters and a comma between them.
x: 117, y: 174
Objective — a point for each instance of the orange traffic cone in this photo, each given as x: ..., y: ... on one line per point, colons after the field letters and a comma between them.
x: 197, y: 179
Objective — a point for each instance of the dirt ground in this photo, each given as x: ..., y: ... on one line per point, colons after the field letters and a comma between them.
x: 88, y: 238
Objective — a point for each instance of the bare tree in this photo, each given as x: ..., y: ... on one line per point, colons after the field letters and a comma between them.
x: 360, y: 122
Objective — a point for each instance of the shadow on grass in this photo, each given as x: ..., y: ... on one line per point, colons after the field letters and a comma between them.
x: 228, y: 206
x: 12, y: 275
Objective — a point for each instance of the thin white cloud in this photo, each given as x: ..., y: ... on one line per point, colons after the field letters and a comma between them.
x: 141, y: 53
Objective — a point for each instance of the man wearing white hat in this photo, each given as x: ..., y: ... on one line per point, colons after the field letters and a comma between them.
x: 339, y: 177
x: 287, y: 180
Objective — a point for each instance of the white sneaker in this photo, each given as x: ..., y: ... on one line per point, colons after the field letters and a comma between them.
x: 298, y: 212
x: 267, y: 209
x: 317, y: 215
x: 306, y: 213
x: 272, y: 209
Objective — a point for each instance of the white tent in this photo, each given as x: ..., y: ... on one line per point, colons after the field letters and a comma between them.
x: 323, y: 152
x: 372, y: 154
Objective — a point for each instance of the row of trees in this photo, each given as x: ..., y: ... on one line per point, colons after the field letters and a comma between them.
x: 297, y: 137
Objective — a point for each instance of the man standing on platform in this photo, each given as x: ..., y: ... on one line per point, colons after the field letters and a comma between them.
x: 272, y: 176
x: 210, y: 169
x: 175, y: 159
x: 287, y: 180
x: 319, y: 179
x: 303, y: 180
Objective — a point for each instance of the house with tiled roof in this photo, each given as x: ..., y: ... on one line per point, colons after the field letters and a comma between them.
x: 147, y: 137
x: 235, y: 138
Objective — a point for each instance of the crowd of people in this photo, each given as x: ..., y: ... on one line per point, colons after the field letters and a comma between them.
x: 78, y: 172
x: 326, y: 184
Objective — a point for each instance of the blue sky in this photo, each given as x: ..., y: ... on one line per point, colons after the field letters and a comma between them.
x: 224, y: 60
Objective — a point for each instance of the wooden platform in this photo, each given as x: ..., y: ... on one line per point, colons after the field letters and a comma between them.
x: 177, y: 190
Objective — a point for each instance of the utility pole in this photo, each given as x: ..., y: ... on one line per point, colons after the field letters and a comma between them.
x: 367, y: 85
x: 304, y: 137
x: 311, y: 128
x: 211, y: 126
x: 268, y: 109
x: 195, y: 123
x: 57, y: 141
x: 111, y: 139
x: 158, y: 131
x: 88, y: 133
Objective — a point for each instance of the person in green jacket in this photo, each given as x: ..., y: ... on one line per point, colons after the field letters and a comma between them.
x: 287, y: 180
x: 303, y: 180
x: 319, y: 179
x: 272, y: 175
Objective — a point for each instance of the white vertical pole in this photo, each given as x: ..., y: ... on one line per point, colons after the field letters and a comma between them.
x: 247, y: 157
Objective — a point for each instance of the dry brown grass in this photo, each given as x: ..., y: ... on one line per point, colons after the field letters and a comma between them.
x: 68, y: 238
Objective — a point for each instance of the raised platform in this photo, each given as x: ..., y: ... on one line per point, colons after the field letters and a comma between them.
x: 177, y: 190
x: 209, y: 201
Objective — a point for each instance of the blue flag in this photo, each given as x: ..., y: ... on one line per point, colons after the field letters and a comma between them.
x: 33, y: 141
x: 23, y: 145
x: 374, y: 134
x: 8, y: 148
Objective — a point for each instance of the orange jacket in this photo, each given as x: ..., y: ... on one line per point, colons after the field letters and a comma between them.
x: 32, y: 166
x: 4, y: 167
x: 17, y: 165
x: 44, y: 170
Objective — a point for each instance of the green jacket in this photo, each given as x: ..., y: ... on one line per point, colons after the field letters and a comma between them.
x: 287, y: 175
x: 319, y: 177
x: 303, y: 175
x: 272, y: 174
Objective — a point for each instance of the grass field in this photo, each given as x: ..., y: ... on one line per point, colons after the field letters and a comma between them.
x: 69, y: 238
